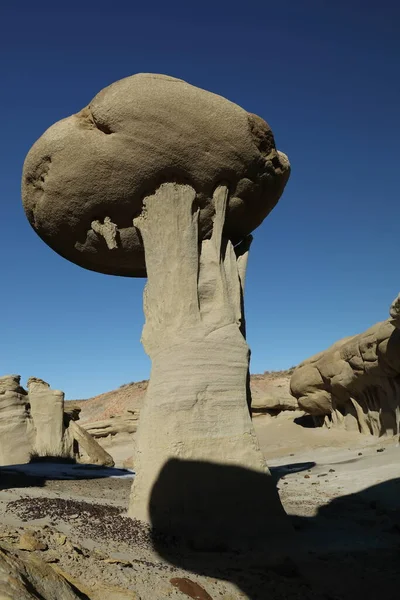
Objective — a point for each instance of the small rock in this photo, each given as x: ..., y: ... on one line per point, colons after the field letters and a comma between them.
x: 322, y: 475
x: 331, y: 470
x: 59, y: 538
x: 306, y: 477
x: 117, y: 561
x: 50, y: 557
x: 381, y: 449
x: 190, y: 588
x: 360, y: 454
x: 28, y: 541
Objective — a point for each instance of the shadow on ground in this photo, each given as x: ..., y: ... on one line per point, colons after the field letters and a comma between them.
x: 37, y: 473
x: 350, y: 549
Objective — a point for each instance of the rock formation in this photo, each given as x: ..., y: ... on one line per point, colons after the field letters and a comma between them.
x: 34, y: 424
x: 270, y: 393
x: 355, y: 384
x: 88, y: 447
x: 159, y: 178
x: 118, y: 425
x: 47, y: 411
x: 25, y: 577
x: 16, y: 427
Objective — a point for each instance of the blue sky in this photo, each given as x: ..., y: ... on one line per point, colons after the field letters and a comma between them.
x: 324, y: 264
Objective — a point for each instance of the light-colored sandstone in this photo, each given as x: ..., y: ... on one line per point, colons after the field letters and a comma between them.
x: 16, y: 427
x: 47, y: 410
x: 120, y: 424
x: 95, y: 453
x: 28, y: 578
x: 161, y: 178
x: 196, y: 403
x: 35, y: 424
x: 85, y: 179
x: 355, y: 384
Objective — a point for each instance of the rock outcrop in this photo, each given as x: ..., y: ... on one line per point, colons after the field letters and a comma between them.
x: 35, y: 424
x: 25, y: 577
x: 355, y: 384
x: 88, y: 446
x: 16, y: 425
x: 47, y: 412
x: 270, y: 394
x: 120, y: 424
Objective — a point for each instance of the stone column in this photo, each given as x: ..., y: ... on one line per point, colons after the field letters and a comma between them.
x: 47, y: 410
x: 195, y: 430
x: 16, y: 430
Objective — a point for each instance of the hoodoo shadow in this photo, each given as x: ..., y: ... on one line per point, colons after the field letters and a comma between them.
x: 349, y: 547
x: 36, y: 474
x: 222, y: 521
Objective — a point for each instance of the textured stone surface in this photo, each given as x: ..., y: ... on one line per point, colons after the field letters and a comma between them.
x: 95, y: 454
x: 36, y: 424
x: 16, y: 427
x: 196, y: 416
x: 47, y: 410
x: 161, y: 178
x: 85, y: 179
x: 126, y: 423
x: 271, y: 395
x: 29, y: 578
x: 30, y: 542
x: 355, y: 384
x: 11, y: 383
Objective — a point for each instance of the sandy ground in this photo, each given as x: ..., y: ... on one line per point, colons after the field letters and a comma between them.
x: 340, y: 490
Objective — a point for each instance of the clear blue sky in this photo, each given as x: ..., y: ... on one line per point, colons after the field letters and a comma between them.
x: 324, y: 264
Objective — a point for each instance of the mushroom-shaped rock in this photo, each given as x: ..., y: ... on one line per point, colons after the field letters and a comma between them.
x: 161, y: 178
x: 85, y: 179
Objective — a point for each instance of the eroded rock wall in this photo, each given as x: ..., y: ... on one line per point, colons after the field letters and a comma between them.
x: 35, y: 424
x: 355, y: 384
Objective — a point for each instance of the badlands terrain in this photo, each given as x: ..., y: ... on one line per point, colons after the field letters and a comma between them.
x: 340, y: 489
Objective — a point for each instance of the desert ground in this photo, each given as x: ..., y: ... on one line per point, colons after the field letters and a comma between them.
x: 341, y: 491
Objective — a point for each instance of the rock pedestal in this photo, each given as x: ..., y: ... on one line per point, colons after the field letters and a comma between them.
x: 195, y: 429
